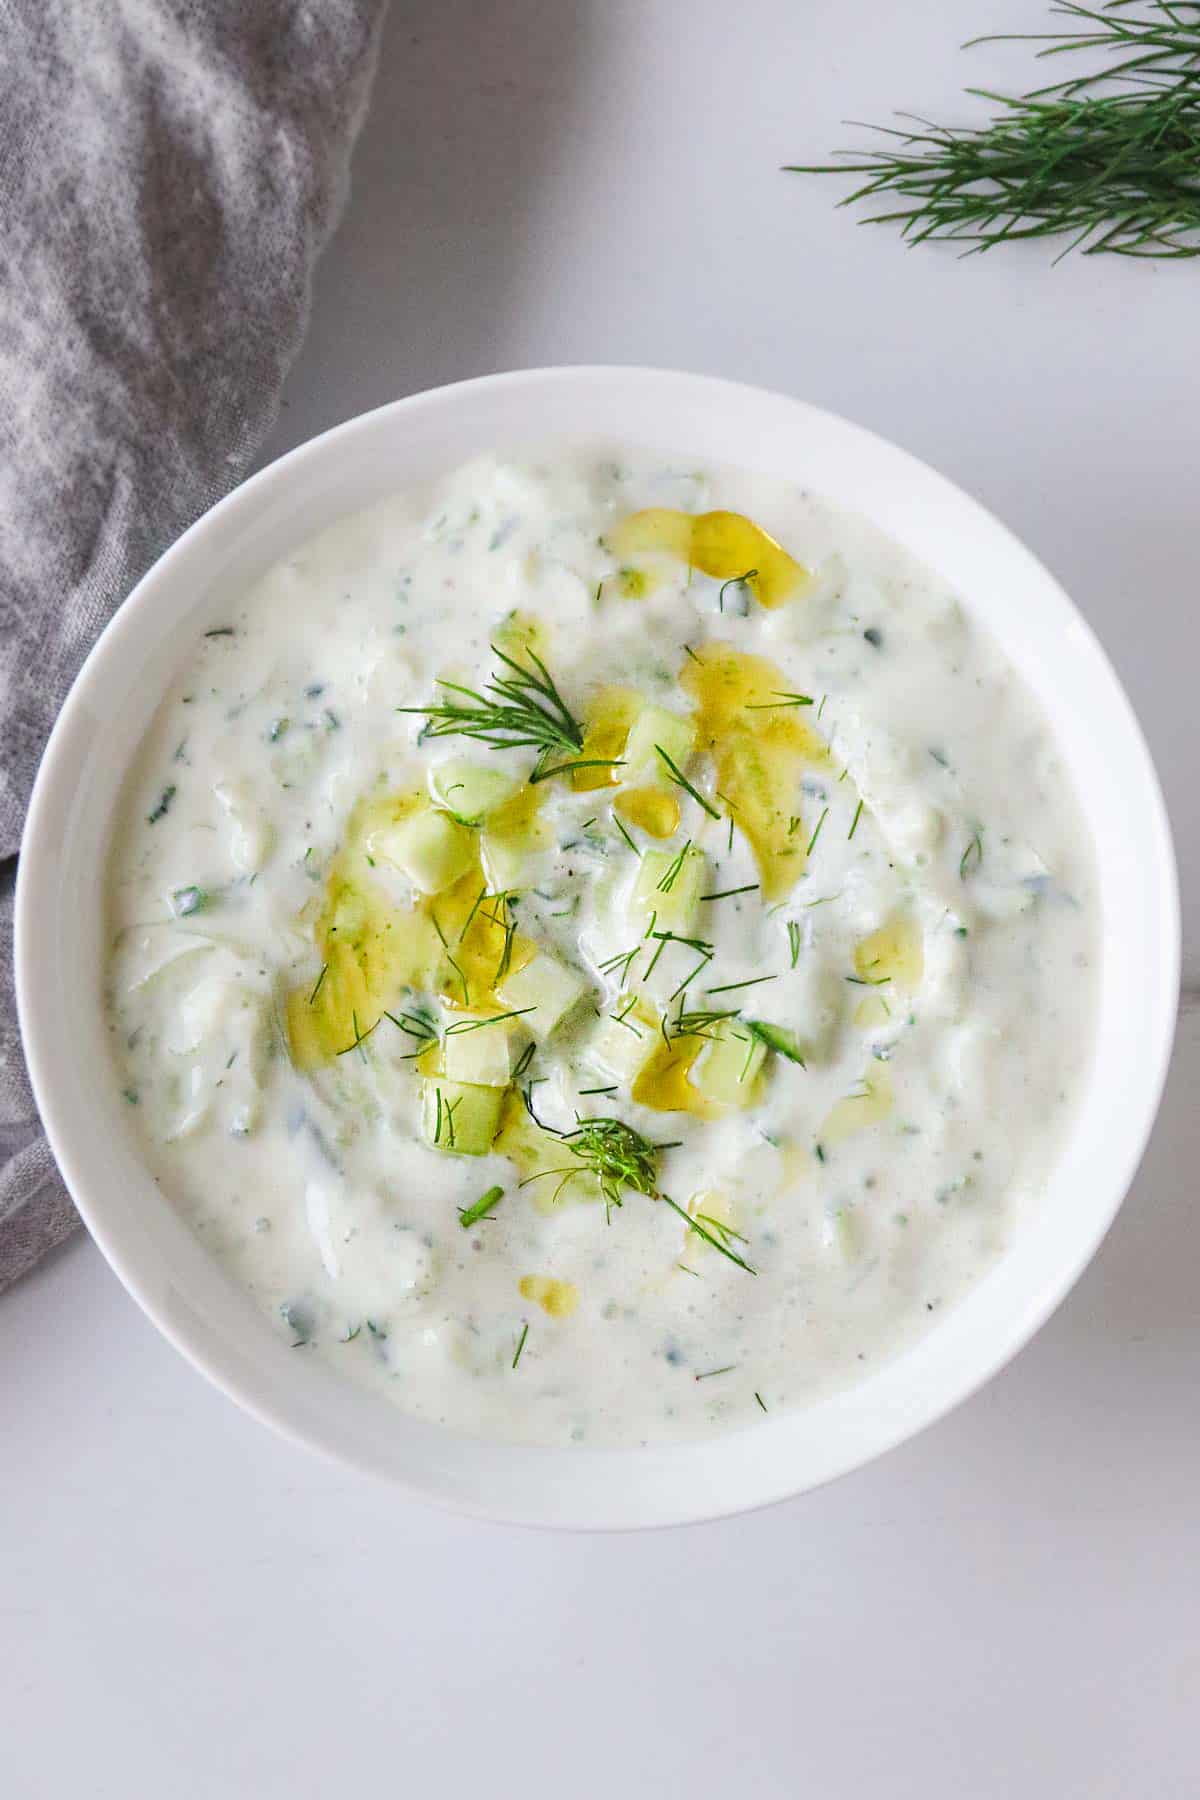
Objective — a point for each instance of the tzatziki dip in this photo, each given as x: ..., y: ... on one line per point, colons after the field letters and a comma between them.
x: 602, y: 950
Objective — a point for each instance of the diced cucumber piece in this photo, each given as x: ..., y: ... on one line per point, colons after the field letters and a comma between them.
x: 474, y: 1049
x: 349, y: 913
x: 841, y: 1233
x: 506, y: 863
x: 653, y: 726
x: 726, y: 1068
x: 469, y: 791
x: 459, y: 1117
x: 668, y: 886
x: 814, y: 996
x: 623, y: 1042
x: 431, y: 848
x: 548, y: 987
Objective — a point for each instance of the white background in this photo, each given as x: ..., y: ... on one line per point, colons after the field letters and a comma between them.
x: 1008, y: 1606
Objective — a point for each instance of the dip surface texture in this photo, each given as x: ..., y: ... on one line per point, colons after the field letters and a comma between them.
x: 671, y: 1067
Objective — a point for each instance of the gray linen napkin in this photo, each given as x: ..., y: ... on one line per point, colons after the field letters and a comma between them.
x: 169, y: 171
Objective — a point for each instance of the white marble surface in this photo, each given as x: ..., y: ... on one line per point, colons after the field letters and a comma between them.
x: 1007, y: 1606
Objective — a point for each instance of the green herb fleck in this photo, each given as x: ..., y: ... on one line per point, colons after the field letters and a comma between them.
x: 672, y: 873
x: 734, y: 581
x: 164, y: 805
x: 777, y: 1038
x: 187, y: 900
x: 486, y: 1203
x: 680, y: 779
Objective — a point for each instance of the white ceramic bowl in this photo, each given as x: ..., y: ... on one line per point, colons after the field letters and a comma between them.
x: 61, y: 947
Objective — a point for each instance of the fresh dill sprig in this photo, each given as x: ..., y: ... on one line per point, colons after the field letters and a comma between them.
x: 520, y: 709
x: 1105, y: 159
x: 675, y: 774
x: 614, y: 1153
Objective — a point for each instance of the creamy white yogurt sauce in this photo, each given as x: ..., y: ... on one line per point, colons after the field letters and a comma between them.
x: 907, y: 981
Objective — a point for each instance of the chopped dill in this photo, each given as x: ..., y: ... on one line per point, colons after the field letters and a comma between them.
x: 782, y: 699
x: 625, y: 835
x: 817, y: 832
x: 676, y: 775
x: 360, y: 1037
x: 730, y: 987
x: 164, y: 805
x: 794, y: 941
x: 972, y: 856
x: 751, y: 887
x: 463, y: 1025
x: 734, y: 581
x: 854, y: 821
x: 709, y: 1237
x: 520, y: 1343
x: 621, y: 961
x: 417, y: 1025
x: 701, y: 1023
x: 705, y: 959
x: 445, y: 946
x: 672, y: 874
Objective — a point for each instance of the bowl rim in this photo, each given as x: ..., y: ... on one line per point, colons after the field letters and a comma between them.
x: 45, y: 1044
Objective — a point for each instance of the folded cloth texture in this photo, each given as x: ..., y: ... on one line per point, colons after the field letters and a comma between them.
x: 169, y: 172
